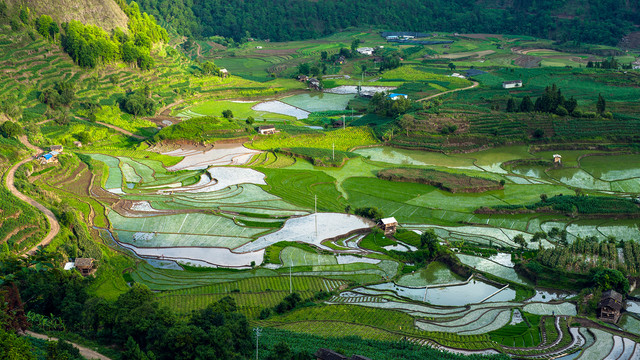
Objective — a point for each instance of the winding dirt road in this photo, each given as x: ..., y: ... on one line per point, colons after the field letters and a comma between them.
x: 10, y: 183
x: 475, y: 84
x: 84, y: 351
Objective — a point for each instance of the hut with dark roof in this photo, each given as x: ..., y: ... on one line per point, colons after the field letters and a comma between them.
x: 610, y: 306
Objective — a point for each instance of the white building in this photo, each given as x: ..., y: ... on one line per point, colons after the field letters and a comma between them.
x: 512, y: 84
x: 365, y: 51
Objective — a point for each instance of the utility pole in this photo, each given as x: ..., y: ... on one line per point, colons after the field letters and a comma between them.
x: 344, y: 123
x: 258, y: 331
x: 315, y: 210
x: 333, y: 151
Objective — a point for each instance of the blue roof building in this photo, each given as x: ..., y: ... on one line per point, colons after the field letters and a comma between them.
x: 397, y: 96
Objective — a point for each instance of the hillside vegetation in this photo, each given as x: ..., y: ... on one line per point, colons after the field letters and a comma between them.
x: 565, y: 20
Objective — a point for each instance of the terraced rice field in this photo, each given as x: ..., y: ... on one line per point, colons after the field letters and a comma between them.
x: 493, y: 268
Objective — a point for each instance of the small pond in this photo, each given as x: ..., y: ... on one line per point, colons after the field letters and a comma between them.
x: 578, y: 178
x: 612, y: 167
x: 415, y: 157
x: 303, y: 229
x: 353, y: 89
x: 459, y: 295
x: 318, y: 101
x: 435, y: 273
x: 278, y: 107
x: 549, y: 295
x: 533, y: 171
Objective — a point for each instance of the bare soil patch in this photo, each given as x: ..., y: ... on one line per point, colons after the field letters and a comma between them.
x: 527, y: 61
x: 466, y: 54
x: 483, y: 36
x: 454, y: 183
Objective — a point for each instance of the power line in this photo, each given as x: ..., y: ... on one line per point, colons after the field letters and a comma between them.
x: 258, y: 331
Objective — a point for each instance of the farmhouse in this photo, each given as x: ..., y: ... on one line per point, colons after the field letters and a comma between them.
x: 388, y: 225
x: 77, y: 144
x: 85, y: 266
x: 337, y: 123
x: 609, y: 306
x: 267, y: 130
x: 512, y: 84
x: 365, y: 51
x: 49, y: 157
x: 341, y: 60
x: 314, y: 84
x: 397, y: 96
x: 224, y: 73
x: 303, y: 78
x: 57, y: 148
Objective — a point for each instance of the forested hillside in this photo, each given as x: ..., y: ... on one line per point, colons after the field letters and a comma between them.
x: 590, y: 21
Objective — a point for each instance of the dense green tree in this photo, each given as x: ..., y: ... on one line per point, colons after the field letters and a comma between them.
x: 598, y: 22
x: 47, y: 27
x: 519, y: 239
x: 227, y: 114
x: 526, y: 105
x: 132, y: 351
x: 62, y: 350
x: 304, y: 69
x: 13, y: 346
x: 10, y: 129
x: 601, y: 105
x: 369, y: 212
x: 429, y: 241
x: 24, y: 14
x: 209, y: 68
x: 511, y: 105
x: 354, y: 45
x: 138, y: 104
x: 610, y: 279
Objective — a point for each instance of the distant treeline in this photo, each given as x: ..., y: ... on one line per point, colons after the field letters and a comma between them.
x: 595, y: 21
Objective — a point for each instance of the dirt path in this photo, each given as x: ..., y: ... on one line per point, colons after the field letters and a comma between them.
x: 84, y: 351
x: 55, y: 226
x: 121, y: 130
x: 475, y: 83
x: 116, y: 129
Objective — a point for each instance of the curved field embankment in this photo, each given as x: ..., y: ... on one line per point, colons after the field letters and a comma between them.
x: 10, y: 183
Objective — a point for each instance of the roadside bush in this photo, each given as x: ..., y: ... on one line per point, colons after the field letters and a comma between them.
x: 10, y: 129
x: 372, y: 213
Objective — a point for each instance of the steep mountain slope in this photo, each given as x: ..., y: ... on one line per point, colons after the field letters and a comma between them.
x: 104, y: 13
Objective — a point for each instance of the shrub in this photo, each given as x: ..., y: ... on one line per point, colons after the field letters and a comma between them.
x: 369, y: 212
x: 561, y: 111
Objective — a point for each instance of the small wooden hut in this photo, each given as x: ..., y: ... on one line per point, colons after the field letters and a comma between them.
x: 609, y: 307
x: 85, y: 266
x: 388, y: 225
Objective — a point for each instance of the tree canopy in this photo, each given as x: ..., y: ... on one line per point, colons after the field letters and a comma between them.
x: 599, y: 21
